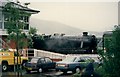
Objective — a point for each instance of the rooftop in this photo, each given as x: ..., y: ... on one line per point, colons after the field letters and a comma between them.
x: 21, y: 7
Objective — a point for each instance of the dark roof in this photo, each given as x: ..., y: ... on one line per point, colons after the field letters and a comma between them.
x: 21, y: 7
x: 26, y: 8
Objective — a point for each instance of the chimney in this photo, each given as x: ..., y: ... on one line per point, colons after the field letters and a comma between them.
x: 85, y: 33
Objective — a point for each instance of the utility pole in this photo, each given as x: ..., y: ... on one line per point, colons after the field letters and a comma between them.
x: 17, y: 42
x: 17, y: 48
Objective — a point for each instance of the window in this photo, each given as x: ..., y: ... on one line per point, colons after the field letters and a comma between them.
x: 34, y: 60
x: 82, y: 60
x: 42, y: 60
x: 9, y: 24
x: 26, y: 19
x: 48, y: 60
x: 21, y: 18
x: 77, y: 59
x: 6, y: 17
x: 5, y: 25
x: 26, y: 27
x: 0, y: 25
x: 0, y: 20
x: 0, y: 16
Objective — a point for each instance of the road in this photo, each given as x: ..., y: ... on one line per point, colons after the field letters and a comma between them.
x: 49, y: 73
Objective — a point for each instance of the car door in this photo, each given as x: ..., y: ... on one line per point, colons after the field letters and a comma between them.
x: 84, y: 61
x: 50, y: 64
x: 42, y: 63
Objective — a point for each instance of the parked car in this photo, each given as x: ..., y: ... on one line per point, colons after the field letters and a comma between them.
x: 39, y: 64
x: 97, y: 61
x: 74, y: 64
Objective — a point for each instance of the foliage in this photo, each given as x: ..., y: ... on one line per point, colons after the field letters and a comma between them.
x: 38, y: 42
x: 14, y: 24
x: 111, y: 57
x: 32, y: 32
x: 99, y: 70
x: 76, y: 75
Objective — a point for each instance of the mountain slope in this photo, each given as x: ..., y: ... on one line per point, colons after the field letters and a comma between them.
x: 51, y: 27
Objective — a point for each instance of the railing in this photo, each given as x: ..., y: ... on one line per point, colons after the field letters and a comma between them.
x: 52, y: 55
x: 95, y: 57
x: 91, y: 55
x: 59, y: 57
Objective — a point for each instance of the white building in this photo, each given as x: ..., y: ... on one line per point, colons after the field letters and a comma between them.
x: 3, y: 19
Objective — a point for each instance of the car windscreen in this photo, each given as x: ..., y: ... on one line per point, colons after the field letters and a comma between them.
x: 69, y: 59
x: 34, y: 60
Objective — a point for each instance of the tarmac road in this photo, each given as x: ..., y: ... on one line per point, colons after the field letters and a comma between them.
x: 49, y: 73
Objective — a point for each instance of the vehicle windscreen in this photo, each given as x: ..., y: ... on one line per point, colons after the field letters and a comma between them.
x: 34, y: 60
x: 69, y: 59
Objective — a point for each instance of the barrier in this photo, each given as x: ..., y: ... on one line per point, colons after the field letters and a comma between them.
x: 54, y: 56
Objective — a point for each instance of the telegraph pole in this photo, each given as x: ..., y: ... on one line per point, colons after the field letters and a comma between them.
x: 17, y: 48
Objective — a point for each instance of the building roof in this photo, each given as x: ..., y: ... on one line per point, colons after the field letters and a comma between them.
x: 21, y: 7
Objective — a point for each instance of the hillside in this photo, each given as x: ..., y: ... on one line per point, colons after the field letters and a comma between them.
x: 51, y: 27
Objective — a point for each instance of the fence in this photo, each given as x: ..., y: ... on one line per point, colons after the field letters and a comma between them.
x: 52, y: 55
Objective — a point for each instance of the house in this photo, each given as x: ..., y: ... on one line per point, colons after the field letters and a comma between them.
x: 3, y: 25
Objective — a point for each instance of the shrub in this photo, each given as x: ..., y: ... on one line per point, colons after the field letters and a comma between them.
x: 111, y: 58
x: 76, y: 75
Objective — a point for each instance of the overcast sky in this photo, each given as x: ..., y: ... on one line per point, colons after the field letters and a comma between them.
x: 91, y: 16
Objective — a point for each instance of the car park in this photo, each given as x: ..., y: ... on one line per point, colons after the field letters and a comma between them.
x: 39, y: 64
x: 74, y: 64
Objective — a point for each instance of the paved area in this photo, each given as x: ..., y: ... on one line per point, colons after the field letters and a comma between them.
x: 50, y: 73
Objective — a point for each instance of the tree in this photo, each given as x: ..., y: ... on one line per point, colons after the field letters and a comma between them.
x: 111, y: 57
x: 15, y: 26
x: 32, y: 31
x: 30, y: 36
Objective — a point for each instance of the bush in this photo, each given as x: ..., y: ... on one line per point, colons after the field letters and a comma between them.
x: 76, y: 75
x: 100, y: 71
x: 111, y: 58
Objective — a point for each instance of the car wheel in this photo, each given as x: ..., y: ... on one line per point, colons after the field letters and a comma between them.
x: 64, y: 72
x: 4, y: 67
x: 77, y: 70
x: 28, y: 71
x: 56, y: 70
x: 23, y: 63
x: 40, y: 70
